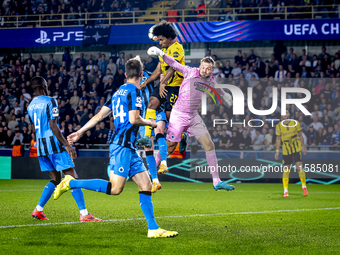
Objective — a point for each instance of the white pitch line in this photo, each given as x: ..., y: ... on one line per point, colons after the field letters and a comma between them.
x: 176, y: 216
x: 23, y: 190
x: 197, y: 190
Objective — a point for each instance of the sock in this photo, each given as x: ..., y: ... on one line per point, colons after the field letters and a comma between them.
x: 151, y: 162
x: 162, y: 148
x: 95, y: 185
x: 163, y: 162
x: 150, y: 114
x: 39, y: 208
x: 155, y: 180
x: 84, y: 212
x: 79, y: 198
x: 302, y: 176
x: 158, y: 159
x: 285, y: 178
x: 45, y: 195
x: 212, y: 163
x: 147, y: 208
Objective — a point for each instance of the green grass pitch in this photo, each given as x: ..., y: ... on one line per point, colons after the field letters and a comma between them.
x: 252, y: 219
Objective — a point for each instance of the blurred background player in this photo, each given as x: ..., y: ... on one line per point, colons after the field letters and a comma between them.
x: 167, y: 91
x: 291, y: 136
x: 18, y: 149
x: 126, y: 106
x: 33, y: 147
x: 185, y: 117
x: 54, y: 152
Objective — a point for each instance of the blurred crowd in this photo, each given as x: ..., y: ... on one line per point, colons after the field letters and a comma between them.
x: 275, y: 9
x: 77, y: 11
x: 82, y: 86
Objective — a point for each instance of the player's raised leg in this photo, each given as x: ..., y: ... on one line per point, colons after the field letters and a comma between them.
x: 151, y: 163
x: 162, y: 144
x: 78, y: 196
x: 210, y: 154
x: 119, y: 166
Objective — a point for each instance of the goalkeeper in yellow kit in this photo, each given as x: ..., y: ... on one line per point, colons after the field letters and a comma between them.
x: 289, y: 134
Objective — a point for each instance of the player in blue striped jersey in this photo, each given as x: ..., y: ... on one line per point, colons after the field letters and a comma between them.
x: 159, y: 131
x: 126, y: 106
x: 54, y: 152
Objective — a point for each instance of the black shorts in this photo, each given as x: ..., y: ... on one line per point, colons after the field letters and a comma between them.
x: 170, y: 98
x: 289, y: 159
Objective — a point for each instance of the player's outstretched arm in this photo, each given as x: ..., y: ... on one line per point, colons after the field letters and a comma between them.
x: 102, y: 114
x: 137, y: 120
x: 154, y: 51
x: 56, y: 131
x: 153, y: 76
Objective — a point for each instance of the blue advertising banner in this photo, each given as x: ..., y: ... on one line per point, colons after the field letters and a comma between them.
x: 130, y: 34
x: 41, y: 37
x: 227, y: 31
x: 230, y: 31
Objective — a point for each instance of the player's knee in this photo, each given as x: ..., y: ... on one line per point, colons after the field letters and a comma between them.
x: 110, y: 190
x: 152, y: 105
x: 158, y: 136
x: 209, y: 146
x: 116, y: 191
x: 55, y: 182
x: 146, y: 187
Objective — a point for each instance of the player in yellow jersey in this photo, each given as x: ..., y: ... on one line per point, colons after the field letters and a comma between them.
x: 167, y: 92
x: 291, y: 136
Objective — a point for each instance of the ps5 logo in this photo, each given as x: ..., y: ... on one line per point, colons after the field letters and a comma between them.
x: 43, y: 38
x: 60, y: 36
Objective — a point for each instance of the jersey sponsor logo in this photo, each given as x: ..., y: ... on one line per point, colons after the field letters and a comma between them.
x: 176, y: 54
x: 139, y: 102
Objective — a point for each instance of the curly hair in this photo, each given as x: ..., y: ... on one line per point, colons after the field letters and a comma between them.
x: 164, y: 29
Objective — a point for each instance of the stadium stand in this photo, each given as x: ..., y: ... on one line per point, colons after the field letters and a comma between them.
x: 44, y: 13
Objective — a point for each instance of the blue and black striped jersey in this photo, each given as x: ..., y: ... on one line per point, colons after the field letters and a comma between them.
x: 147, y: 91
x: 126, y: 99
x: 40, y: 111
